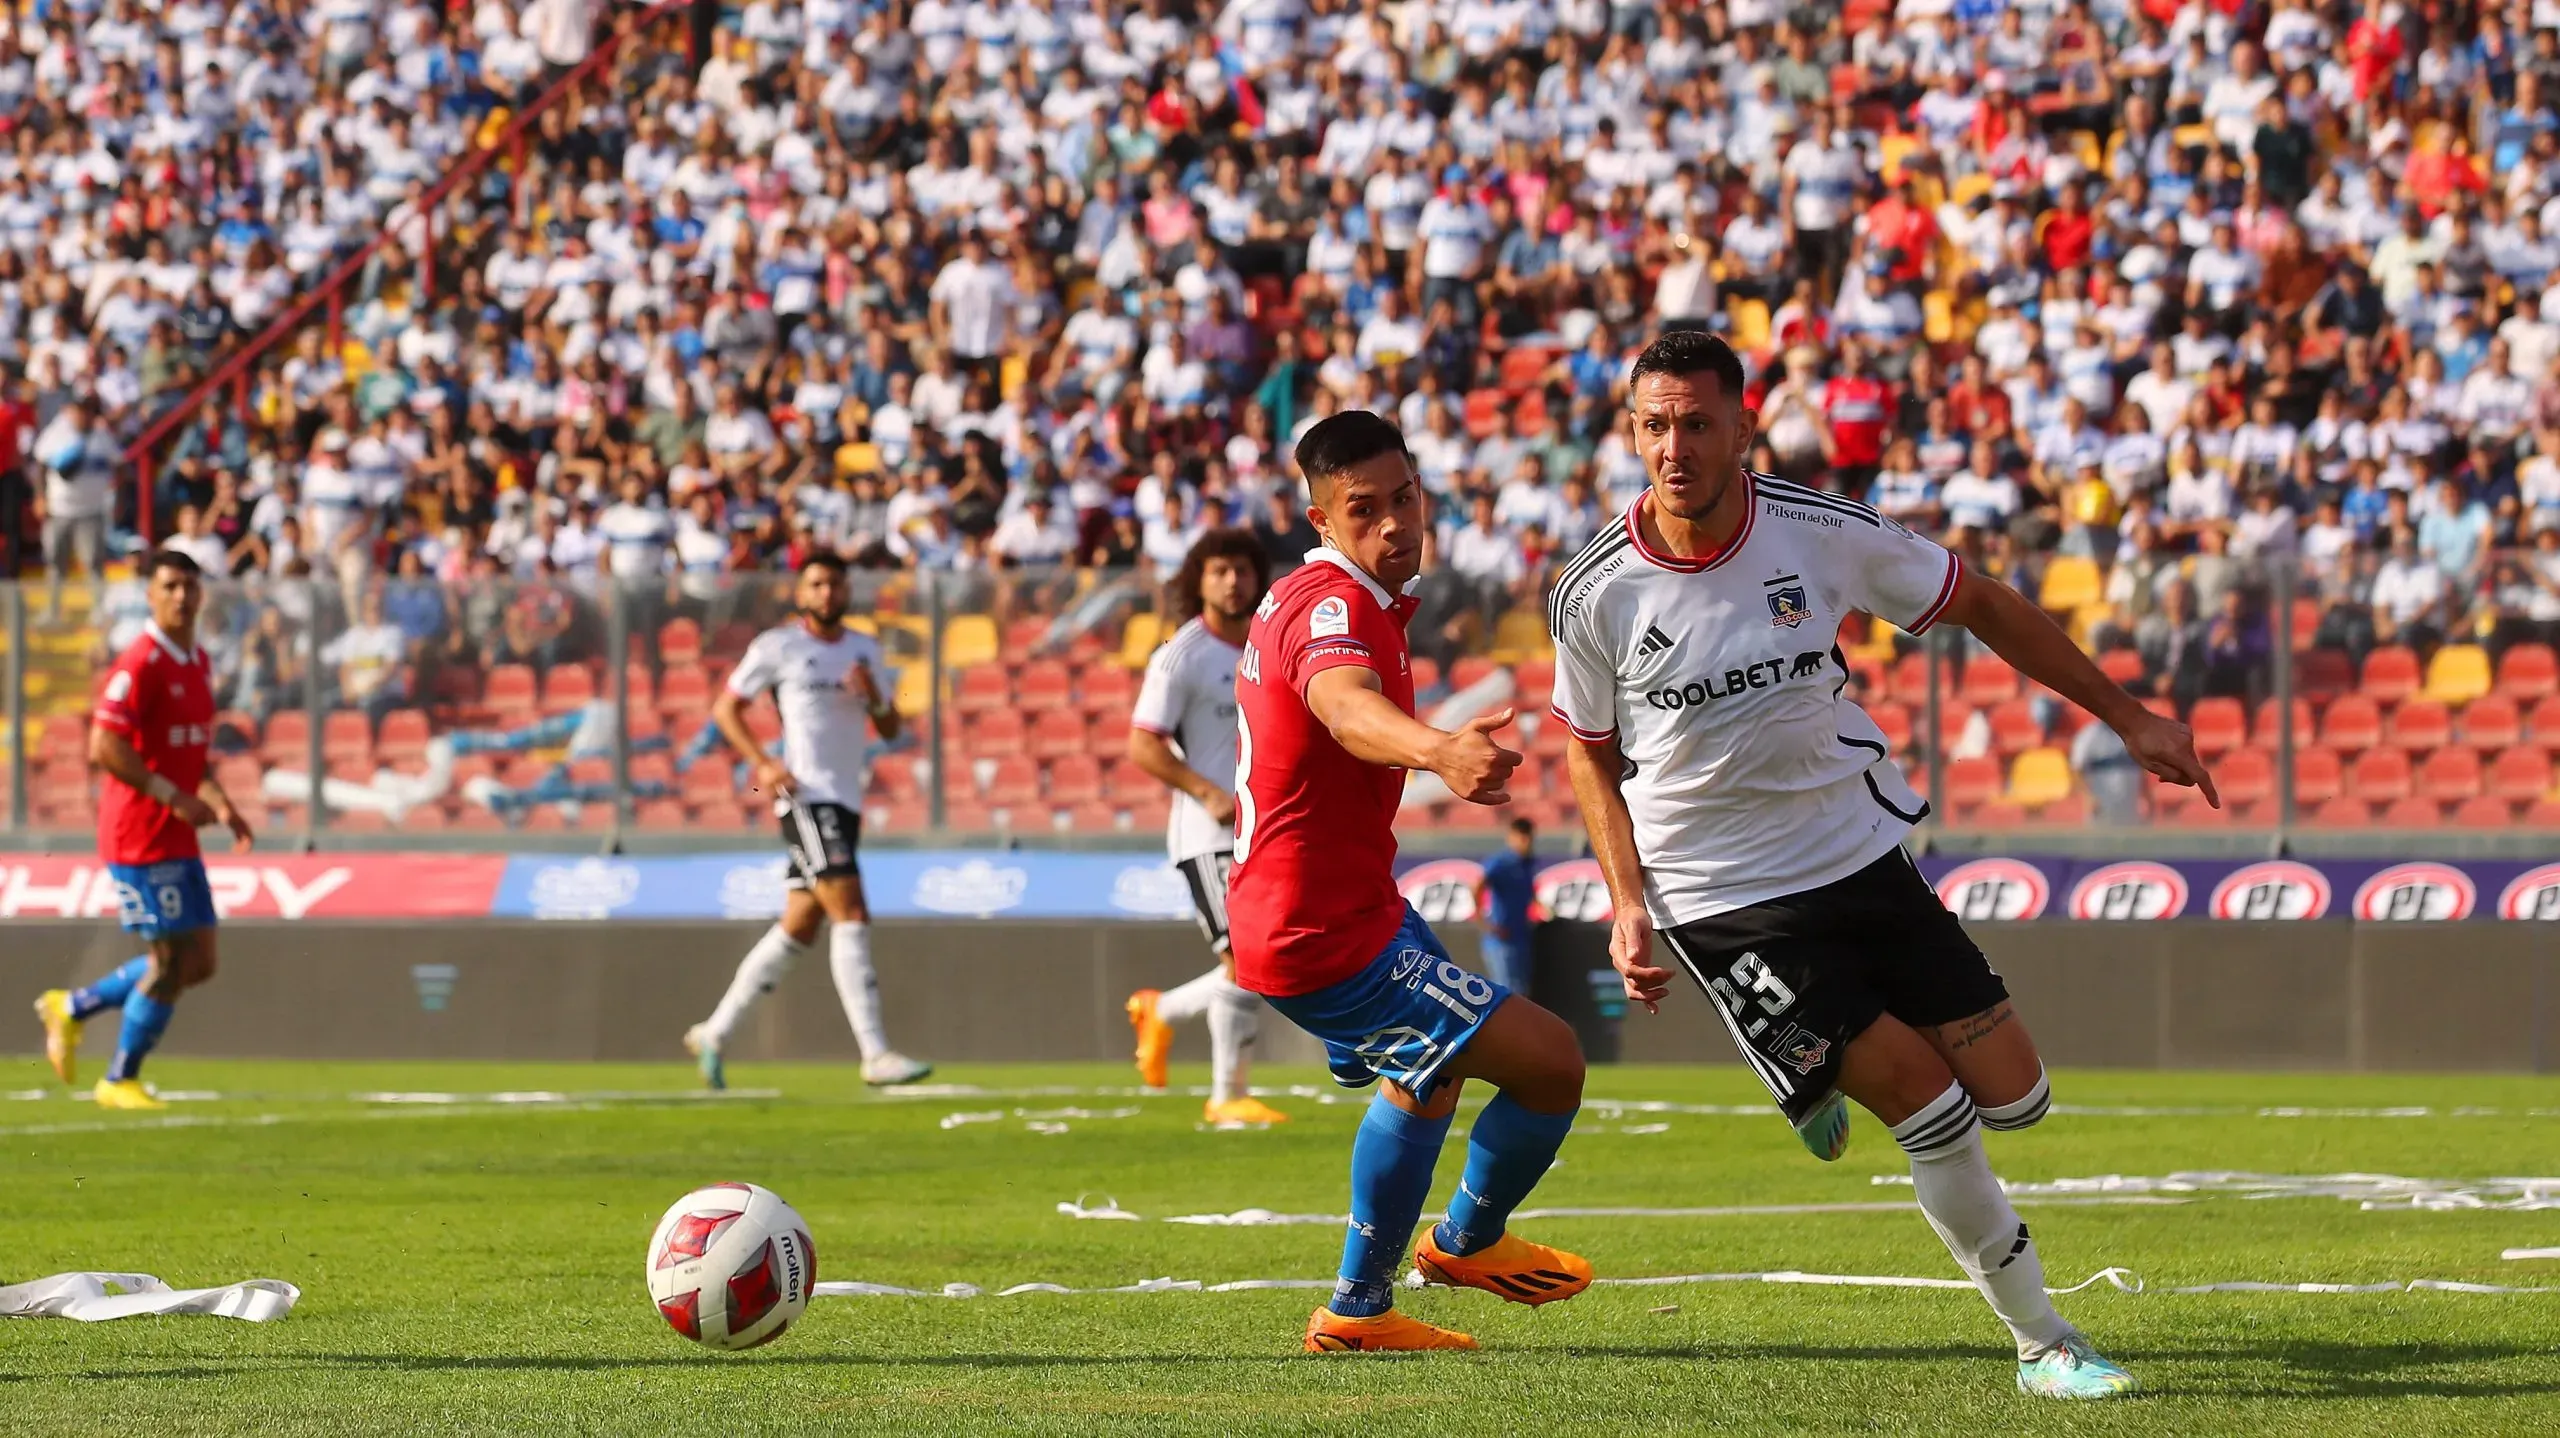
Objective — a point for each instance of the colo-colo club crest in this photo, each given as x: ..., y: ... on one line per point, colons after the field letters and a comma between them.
x: 1787, y: 604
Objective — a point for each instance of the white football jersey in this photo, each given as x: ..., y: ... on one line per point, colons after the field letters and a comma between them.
x: 1189, y: 697
x: 825, y: 743
x: 1748, y: 775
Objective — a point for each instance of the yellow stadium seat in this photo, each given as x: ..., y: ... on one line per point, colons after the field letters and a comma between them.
x: 968, y: 639
x: 2084, y: 143
x: 1011, y: 374
x: 915, y: 689
x: 857, y: 457
x: 1520, y: 635
x: 1750, y: 318
x: 2070, y: 581
x: 2193, y: 137
x: 1938, y: 316
x: 2458, y: 674
x: 2039, y: 777
x: 1891, y: 153
x: 1969, y: 188
x: 1140, y: 638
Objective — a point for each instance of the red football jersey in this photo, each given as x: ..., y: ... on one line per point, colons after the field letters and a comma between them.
x: 1313, y: 895
x: 161, y: 700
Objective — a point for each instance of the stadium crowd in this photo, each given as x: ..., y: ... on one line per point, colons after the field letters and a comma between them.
x: 2118, y: 298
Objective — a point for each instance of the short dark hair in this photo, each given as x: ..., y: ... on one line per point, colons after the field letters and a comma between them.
x: 1523, y: 826
x: 1343, y: 442
x: 1688, y: 352
x: 823, y: 559
x: 170, y: 559
x: 1230, y: 543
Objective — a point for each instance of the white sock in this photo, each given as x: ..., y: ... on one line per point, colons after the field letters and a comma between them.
x: 758, y: 972
x: 849, y: 958
x: 1234, y: 1016
x: 1182, y: 1004
x: 1963, y: 1202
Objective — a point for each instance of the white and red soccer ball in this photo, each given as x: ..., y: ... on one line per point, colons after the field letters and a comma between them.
x: 731, y: 1266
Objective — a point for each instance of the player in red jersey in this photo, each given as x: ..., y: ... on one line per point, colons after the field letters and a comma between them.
x: 1326, y: 733
x: 153, y: 724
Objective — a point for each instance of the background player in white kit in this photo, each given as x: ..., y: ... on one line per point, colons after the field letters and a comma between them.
x: 1183, y: 733
x: 825, y: 680
x: 1737, y: 801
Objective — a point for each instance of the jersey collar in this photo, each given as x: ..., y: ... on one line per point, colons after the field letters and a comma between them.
x: 1700, y: 565
x: 1326, y: 554
x: 168, y: 645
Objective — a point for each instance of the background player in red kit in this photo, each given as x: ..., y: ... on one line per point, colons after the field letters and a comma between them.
x: 1324, y: 701
x: 153, y: 724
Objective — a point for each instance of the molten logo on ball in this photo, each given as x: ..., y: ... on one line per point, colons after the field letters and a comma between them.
x: 731, y: 1266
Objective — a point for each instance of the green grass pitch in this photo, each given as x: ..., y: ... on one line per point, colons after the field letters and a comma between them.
x: 475, y: 1267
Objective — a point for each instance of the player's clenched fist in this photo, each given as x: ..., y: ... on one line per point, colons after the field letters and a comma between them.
x: 1631, y: 953
x: 1475, y: 768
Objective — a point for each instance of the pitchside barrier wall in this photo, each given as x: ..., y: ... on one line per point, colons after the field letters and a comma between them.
x: 2316, y: 994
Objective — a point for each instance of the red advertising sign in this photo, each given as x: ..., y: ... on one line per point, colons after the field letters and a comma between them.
x: 280, y: 886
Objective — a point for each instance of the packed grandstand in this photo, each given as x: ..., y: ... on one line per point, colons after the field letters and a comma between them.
x: 505, y: 358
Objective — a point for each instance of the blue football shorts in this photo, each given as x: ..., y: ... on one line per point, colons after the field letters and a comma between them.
x: 1402, y: 1018
x: 163, y: 900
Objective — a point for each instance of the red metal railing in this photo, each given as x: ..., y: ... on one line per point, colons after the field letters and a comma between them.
x: 236, y: 371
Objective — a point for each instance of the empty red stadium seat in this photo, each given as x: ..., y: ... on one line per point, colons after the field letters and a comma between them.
x: 1108, y: 735
x: 1426, y: 674
x: 1075, y: 779
x: 2266, y: 732
x: 288, y: 740
x: 684, y: 693
x: 1987, y: 680
x: 2529, y: 671
x: 2392, y: 673
x: 679, y: 642
x: 2220, y: 725
x: 1000, y: 734
x: 1042, y: 684
x: 2542, y: 722
x: 1522, y: 366
x: 2197, y: 814
x: 2490, y: 722
x: 2319, y: 775
x: 2353, y: 723
x: 1015, y: 780
x: 2121, y: 665
x: 1023, y: 636
x: 2450, y: 775
x: 2067, y: 810
x: 1996, y: 814
x: 642, y: 686
x: 1125, y: 783
x: 2343, y: 813
x: 567, y: 687
x: 1107, y: 687
x: 2014, y: 727
x: 1972, y: 782
x: 2542, y: 814
x: 1056, y: 732
x: 2419, y: 725
x: 1093, y: 818
x: 510, y: 691
x: 658, y: 814
x: 1471, y: 670
x: 2481, y: 811
x: 358, y: 821
x: 709, y: 782
x: 2521, y: 773
x: 2245, y: 776
x: 1536, y: 679
x: 1893, y: 720
x: 1908, y: 680
x: 1484, y: 411
x: 2380, y: 775
x: 404, y: 737
x: 895, y: 776
x: 2413, y: 812
x: 653, y: 769
x: 980, y: 689
x: 346, y: 735
x: 238, y: 774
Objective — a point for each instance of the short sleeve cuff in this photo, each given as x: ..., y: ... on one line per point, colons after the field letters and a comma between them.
x: 1946, y: 596
x: 1594, y: 736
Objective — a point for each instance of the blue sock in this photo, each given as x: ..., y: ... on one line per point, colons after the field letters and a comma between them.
x: 145, y: 1018
x: 109, y: 992
x: 1391, y: 1163
x: 1508, y: 1150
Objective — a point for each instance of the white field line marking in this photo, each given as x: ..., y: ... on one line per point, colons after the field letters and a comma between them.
x: 269, y: 1120
x: 2123, y: 1280
x: 1109, y: 1210
x: 2516, y: 1253
x: 2370, y: 1191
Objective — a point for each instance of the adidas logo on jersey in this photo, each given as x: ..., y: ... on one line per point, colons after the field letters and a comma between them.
x: 1653, y: 643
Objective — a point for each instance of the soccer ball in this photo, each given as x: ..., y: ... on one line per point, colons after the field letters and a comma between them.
x: 731, y: 1266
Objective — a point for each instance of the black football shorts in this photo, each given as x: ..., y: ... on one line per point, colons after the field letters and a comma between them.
x: 821, y: 839
x: 1796, y: 978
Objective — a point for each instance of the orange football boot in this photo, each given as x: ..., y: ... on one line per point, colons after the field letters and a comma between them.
x: 1389, y: 1332
x: 1155, y: 1036
x: 1512, y: 1268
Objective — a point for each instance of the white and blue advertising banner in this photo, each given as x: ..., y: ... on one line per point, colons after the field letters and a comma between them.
x: 1042, y: 885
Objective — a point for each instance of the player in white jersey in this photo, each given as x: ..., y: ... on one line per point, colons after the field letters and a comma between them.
x: 825, y: 679
x: 1183, y: 734
x: 1742, y: 807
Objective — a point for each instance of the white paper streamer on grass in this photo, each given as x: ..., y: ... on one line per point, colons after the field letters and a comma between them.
x: 2123, y: 1280
x: 1110, y: 1210
x: 2374, y: 1192
x: 2515, y: 1253
x: 97, y: 1297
